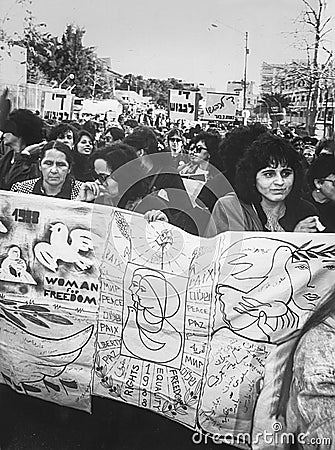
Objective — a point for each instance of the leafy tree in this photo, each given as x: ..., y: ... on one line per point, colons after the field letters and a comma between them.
x: 71, y: 57
x: 41, y: 47
x: 276, y: 105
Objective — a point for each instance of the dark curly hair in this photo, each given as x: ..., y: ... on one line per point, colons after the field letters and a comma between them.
x: 267, y: 150
x: 59, y: 131
x: 234, y: 145
x: 25, y: 124
x: 143, y: 137
x: 321, y: 168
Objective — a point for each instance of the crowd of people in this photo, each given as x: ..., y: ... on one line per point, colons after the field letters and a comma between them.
x: 252, y: 179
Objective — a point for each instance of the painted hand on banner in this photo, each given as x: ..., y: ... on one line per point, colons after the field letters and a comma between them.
x: 60, y: 248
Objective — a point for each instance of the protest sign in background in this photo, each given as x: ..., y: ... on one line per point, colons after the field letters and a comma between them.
x: 220, y: 106
x: 193, y: 329
x: 183, y: 105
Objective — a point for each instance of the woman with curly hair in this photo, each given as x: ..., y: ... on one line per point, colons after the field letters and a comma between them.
x: 268, y: 184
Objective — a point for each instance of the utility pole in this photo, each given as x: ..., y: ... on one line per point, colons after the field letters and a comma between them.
x: 245, y: 71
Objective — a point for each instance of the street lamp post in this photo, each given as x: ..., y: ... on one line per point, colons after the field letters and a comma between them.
x: 69, y: 77
x: 245, y: 67
x: 245, y: 71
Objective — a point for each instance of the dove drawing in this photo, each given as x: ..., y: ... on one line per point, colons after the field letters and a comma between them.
x: 43, y: 356
x: 245, y: 311
x: 64, y: 246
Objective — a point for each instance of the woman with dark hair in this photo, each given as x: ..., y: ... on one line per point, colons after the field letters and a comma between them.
x: 56, y: 181
x: 22, y: 138
x: 63, y: 132
x: 231, y: 149
x: 113, y: 134
x: 203, y: 155
x: 268, y: 184
x: 307, y: 400
x: 162, y: 178
x: 321, y: 179
x: 175, y: 145
x: 119, y: 181
x: 83, y: 148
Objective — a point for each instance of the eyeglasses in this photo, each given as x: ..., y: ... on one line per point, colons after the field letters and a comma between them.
x: 198, y: 149
x: 175, y: 140
x: 102, y: 177
x: 331, y: 181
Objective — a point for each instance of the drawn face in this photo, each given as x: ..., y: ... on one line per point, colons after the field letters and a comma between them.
x: 176, y: 145
x: 265, y: 282
x: 54, y: 167
x: 12, y: 142
x: 304, y: 295
x: 67, y: 138
x: 144, y: 296
x: 303, y: 275
x: 327, y: 187
x: 85, y: 145
x: 105, y: 178
x: 274, y: 184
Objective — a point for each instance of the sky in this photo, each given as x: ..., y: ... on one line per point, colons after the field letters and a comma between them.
x: 194, y: 40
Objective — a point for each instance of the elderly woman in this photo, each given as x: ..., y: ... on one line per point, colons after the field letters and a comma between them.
x: 321, y: 178
x: 56, y: 181
x: 268, y: 185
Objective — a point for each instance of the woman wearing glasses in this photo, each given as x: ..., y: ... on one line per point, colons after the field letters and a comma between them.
x: 203, y: 156
x: 321, y: 178
x: 175, y: 141
x: 120, y: 181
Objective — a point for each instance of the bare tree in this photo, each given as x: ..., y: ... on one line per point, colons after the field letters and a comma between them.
x: 309, y: 74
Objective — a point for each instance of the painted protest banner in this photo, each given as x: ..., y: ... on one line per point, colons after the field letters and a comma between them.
x: 196, y: 325
x: 183, y: 105
x: 196, y: 330
x: 49, y: 297
x: 220, y: 106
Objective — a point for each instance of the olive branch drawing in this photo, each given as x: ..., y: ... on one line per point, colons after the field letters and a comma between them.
x: 305, y: 251
x: 105, y: 381
x: 36, y: 314
x: 180, y: 406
